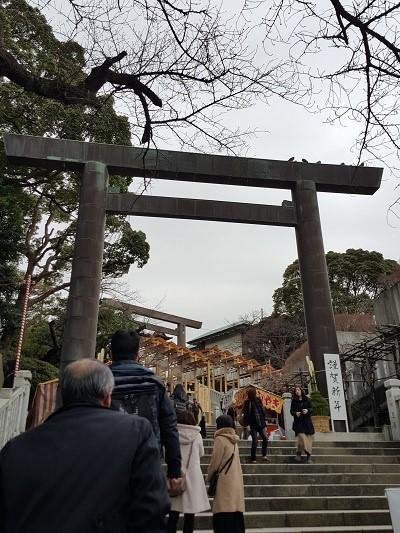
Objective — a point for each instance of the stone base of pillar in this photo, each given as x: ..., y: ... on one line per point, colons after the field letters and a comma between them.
x: 287, y: 417
x: 392, y: 387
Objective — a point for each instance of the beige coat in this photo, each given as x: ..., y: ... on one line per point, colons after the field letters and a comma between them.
x: 229, y: 497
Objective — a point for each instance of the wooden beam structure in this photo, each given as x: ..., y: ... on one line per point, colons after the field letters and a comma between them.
x: 196, y: 209
x: 213, y: 365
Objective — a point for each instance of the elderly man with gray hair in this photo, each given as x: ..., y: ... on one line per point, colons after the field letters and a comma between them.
x: 86, y: 469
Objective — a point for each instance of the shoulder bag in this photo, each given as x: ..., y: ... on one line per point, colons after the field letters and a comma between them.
x: 212, y: 488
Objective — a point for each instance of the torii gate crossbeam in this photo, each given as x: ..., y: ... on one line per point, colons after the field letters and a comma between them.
x: 96, y: 161
x: 180, y: 321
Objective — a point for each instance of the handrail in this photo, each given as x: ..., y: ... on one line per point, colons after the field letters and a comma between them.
x: 14, y: 407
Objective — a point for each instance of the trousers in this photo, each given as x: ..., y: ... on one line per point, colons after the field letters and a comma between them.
x: 254, y: 432
x: 188, y: 522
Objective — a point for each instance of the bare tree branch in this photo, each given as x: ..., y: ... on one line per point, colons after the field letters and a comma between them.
x: 43, y: 296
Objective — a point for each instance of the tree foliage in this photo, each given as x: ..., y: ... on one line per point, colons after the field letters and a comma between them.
x: 41, y: 205
x: 11, y: 234
x: 39, y: 342
x: 355, y: 277
x: 41, y: 372
x: 110, y: 321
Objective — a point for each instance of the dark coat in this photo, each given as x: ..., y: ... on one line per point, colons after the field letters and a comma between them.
x: 232, y: 413
x: 302, y: 423
x: 122, y: 371
x: 203, y: 428
x: 254, y: 413
x: 87, y: 469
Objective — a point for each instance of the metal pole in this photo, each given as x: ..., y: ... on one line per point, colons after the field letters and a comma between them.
x: 83, y: 301
x: 318, y: 311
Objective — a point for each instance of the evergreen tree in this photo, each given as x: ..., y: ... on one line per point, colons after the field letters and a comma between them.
x: 355, y: 277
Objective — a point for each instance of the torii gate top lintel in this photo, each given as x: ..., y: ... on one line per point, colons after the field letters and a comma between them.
x: 187, y: 166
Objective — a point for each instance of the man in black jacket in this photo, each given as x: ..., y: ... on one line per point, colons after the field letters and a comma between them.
x: 138, y: 390
x: 87, y: 469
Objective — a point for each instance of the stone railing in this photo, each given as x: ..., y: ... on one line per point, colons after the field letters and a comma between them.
x: 287, y: 417
x: 215, y: 397
x: 392, y: 387
x: 14, y: 407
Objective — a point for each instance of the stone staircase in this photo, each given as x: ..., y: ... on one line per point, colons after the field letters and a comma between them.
x: 343, y: 490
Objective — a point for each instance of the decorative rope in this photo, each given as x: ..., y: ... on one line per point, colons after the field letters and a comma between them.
x: 23, y: 323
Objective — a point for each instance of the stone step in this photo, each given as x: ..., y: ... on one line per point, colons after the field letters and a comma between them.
x: 317, y: 450
x: 318, y: 479
x: 320, y: 444
x: 342, y: 490
x: 322, y: 468
x: 279, y: 519
x: 320, y: 458
x: 321, y: 490
x: 335, y: 529
x: 315, y: 503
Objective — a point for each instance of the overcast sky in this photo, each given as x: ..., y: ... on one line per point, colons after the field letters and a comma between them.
x: 218, y: 272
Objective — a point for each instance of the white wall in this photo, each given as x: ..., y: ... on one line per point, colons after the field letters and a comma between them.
x: 387, y: 306
x: 232, y: 342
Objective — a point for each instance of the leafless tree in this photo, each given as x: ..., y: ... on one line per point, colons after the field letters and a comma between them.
x: 346, y: 57
x: 272, y: 339
x: 355, y: 49
x: 173, y: 67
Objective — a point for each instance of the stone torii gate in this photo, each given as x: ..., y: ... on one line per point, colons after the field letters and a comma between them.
x: 181, y: 322
x: 97, y: 161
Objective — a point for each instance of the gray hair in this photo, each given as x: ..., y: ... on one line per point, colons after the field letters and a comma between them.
x: 86, y: 380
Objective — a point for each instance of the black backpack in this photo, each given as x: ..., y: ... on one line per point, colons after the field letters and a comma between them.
x: 138, y: 398
x: 179, y: 406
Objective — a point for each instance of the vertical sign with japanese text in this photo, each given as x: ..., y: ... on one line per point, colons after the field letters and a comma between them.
x: 337, y: 402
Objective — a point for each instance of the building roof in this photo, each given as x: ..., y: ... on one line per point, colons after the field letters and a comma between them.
x: 220, y: 332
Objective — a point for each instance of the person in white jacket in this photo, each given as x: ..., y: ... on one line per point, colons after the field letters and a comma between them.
x: 194, y: 499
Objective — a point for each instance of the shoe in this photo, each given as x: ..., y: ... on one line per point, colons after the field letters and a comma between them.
x: 266, y: 459
x: 298, y: 458
x: 309, y: 460
x: 253, y: 461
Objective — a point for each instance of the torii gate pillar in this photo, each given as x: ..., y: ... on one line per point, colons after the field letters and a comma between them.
x: 83, y: 301
x: 318, y: 311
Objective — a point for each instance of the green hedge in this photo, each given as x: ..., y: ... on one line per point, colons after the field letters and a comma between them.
x: 41, y: 371
x: 320, y: 405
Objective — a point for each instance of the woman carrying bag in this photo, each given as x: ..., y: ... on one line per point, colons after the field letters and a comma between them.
x: 179, y: 398
x: 194, y: 498
x: 226, y: 472
x: 301, y: 410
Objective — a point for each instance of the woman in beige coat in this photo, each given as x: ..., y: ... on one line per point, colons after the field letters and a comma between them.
x: 228, y: 504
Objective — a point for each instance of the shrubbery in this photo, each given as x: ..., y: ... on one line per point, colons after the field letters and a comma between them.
x: 320, y: 405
